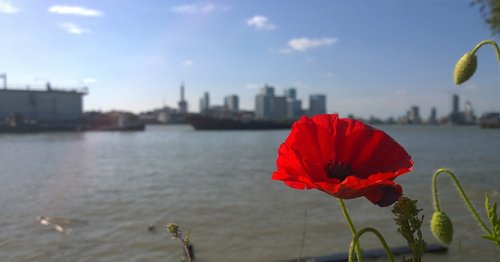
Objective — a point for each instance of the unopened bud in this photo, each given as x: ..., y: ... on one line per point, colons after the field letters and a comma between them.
x: 441, y: 227
x: 465, y: 68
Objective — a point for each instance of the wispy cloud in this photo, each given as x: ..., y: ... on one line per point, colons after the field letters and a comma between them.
x: 89, y: 80
x: 199, y: 8
x: 261, y: 23
x: 7, y: 8
x: 254, y: 86
x: 74, y: 10
x: 188, y: 63
x: 74, y: 29
x: 303, y: 44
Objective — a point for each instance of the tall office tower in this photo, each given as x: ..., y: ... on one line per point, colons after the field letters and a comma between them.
x: 293, y: 106
x: 263, y: 102
x: 433, y: 116
x: 455, y: 106
x: 278, y: 108
x: 204, y: 102
x: 291, y: 93
x: 414, y: 115
x: 317, y: 104
x: 231, y: 102
x: 183, y: 105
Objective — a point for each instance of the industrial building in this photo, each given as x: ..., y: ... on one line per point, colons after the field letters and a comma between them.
x: 49, y: 106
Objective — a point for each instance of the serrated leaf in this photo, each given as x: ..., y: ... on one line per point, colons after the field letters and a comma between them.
x: 488, y: 237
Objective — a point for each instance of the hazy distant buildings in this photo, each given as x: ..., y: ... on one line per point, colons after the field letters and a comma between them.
x: 231, y: 102
x: 469, y: 116
x: 269, y: 106
x: 204, y: 102
x: 183, y: 105
x: 457, y: 117
x: 317, y: 104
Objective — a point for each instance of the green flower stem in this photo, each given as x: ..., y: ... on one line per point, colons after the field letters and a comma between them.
x: 355, y: 241
x: 345, y: 212
x: 466, y: 200
x: 485, y: 42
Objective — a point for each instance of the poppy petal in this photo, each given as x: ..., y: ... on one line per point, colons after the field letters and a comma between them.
x: 342, y: 157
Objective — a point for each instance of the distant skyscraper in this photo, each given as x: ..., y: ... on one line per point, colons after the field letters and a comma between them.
x: 291, y: 93
x: 183, y: 105
x: 278, y: 108
x: 469, y: 116
x: 293, y: 106
x: 293, y: 109
x: 433, y: 116
x: 263, y: 102
x: 204, y: 102
x: 231, y: 102
x: 317, y: 104
x: 455, y: 104
x: 414, y: 115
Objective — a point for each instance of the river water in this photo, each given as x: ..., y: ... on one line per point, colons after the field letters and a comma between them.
x: 217, y: 184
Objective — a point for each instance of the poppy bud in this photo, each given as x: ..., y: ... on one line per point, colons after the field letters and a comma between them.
x: 441, y: 227
x: 465, y: 68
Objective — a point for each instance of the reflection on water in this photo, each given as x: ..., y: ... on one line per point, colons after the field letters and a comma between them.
x: 218, y: 185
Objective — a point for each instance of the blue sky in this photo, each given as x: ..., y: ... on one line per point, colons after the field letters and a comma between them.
x: 369, y: 57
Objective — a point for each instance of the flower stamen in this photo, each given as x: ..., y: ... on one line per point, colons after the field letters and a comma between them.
x: 335, y: 169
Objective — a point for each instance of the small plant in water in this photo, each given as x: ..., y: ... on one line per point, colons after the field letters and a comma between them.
x: 187, y: 248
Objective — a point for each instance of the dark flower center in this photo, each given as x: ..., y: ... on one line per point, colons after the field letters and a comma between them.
x: 336, y: 169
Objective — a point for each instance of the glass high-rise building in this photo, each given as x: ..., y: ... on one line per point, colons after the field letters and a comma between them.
x: 317, y: 104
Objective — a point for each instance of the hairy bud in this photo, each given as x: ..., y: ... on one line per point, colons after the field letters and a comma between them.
x: 465, y: 68
x: 441, y: 227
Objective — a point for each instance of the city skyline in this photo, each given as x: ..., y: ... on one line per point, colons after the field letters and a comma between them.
x: 368, y: 58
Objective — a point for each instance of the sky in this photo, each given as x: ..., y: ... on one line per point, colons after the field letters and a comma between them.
x: 370, y: 58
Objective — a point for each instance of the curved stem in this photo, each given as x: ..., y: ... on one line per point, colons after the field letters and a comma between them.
x: 355, y: 241
x: 345, y: 212
x: 466, y: 200
x: 485, y: 42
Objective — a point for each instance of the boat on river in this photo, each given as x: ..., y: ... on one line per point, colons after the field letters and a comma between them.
x: 490, y: 120
x: 205, y: 122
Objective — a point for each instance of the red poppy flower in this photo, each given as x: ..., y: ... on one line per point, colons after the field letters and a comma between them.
x: 342, y: 157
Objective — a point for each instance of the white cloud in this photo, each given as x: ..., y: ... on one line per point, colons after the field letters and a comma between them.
x: 7, y: 8
x: 198, y: 8
x: 302, y: 44
x: 74, y: 29
x: 261, y: 23
x: 89, y: 80
x: 188, y: 63
x: 74, y: 10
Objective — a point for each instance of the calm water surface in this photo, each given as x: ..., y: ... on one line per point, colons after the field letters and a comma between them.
x: 218, y: 185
